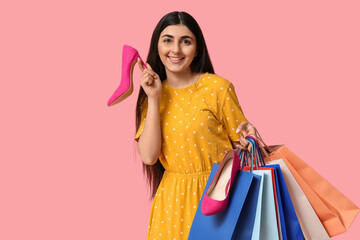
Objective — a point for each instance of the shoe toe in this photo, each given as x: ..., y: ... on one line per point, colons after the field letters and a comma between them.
x: 210, y: 206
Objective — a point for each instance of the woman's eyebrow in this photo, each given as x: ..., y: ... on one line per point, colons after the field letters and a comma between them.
x: 182, y: 37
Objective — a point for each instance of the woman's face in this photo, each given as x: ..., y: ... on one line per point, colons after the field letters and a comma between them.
x: 177, y: 48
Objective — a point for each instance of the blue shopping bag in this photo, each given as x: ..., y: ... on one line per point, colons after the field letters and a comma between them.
x: 222, y: 225
x: 290, y: 226
x: 245, y: 225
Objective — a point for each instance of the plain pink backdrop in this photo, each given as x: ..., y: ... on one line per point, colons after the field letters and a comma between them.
x: 69, y: 165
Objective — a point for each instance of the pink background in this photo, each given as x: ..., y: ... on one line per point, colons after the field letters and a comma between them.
x: 69, y: 165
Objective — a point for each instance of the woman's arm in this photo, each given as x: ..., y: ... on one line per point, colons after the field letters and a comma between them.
x: 149, y: 144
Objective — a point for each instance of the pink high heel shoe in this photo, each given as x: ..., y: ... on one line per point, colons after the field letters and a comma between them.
x: 129, y: 58
x: 216, y: 198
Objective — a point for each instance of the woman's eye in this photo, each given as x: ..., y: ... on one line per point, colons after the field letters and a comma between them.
x: 167, y: 40
x: 186, y: 42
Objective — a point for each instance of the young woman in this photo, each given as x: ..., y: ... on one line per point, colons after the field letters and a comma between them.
x: 186, y: 119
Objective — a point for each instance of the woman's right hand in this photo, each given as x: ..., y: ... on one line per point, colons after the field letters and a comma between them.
x: 150, y: 82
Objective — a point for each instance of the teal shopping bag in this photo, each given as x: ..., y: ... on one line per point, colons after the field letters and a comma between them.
x: 222, y: 225
x: 257, y: 220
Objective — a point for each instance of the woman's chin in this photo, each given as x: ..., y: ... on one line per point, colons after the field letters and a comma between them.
x: 177, y: 69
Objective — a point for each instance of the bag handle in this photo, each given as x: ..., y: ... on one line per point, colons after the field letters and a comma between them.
x: 258, y: 158
x: 266, y: 150
x: 254, y: 154
x: 243, y: 158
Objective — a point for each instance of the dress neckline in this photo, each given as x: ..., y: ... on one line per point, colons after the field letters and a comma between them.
x: 185, y: 88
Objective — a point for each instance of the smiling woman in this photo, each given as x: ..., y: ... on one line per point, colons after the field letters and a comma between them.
x: 186, y: 119
x: 177, y: 49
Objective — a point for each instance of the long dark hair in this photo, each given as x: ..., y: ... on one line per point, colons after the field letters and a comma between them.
x: 200, y: 64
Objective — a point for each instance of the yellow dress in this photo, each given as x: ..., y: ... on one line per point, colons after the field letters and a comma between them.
x: 198, y: 124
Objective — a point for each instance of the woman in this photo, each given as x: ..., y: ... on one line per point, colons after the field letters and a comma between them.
x: 186, y: 118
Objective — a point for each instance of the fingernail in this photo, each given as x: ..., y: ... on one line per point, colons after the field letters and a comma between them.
x: 237, y: 130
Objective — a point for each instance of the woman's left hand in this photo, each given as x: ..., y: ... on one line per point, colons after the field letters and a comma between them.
x: 245, y: 129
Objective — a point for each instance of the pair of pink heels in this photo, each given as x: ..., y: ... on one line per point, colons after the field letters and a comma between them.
x: 129, y: 58
x: 216, y: 198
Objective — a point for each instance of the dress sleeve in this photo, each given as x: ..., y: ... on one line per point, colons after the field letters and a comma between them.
x: 231, y: 113
x: 142, y: 123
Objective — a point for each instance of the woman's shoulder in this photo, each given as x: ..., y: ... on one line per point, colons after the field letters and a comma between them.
x: 216, y: 81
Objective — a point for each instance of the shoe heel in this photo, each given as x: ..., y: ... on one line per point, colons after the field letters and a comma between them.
x: 125, y: 88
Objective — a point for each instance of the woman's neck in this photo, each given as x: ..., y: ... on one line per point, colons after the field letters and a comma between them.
x: 181, y: 80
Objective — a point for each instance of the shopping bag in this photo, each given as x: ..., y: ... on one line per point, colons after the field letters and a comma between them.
x: 245, y: 224
x: 266, y: 225
x: 222, y: 224
x: 335, y: 211
x: 290, y: 226
x: 257, y: 221
x: 289, y: 223
x: 278, y: 212
x: 310, y: 224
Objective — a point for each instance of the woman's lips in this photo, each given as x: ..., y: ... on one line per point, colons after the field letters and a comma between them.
x: 175, y: 59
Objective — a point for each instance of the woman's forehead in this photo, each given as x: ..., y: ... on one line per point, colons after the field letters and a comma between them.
x: 178, y: 30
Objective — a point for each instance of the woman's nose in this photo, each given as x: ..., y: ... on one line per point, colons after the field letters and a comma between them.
x: 175, y: 48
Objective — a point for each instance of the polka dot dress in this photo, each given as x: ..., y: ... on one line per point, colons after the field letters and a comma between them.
x: 198, y: 124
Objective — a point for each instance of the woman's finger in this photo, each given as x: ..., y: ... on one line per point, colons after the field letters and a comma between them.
x: 149, y: 81
x: 151, y: 71
x: 147, y: 74
x: 140, y: 65
x: 242, y: 147
x: 148, y: 65
x: 241, y: 127
x: 243, y: 141
x: 247, y: 128
x: 146, y: 79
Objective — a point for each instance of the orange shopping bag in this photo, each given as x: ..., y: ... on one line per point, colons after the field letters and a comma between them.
x: 335, y: 211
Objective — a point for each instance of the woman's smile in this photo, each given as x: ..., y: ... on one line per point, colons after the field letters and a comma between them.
x: 176, y: 59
